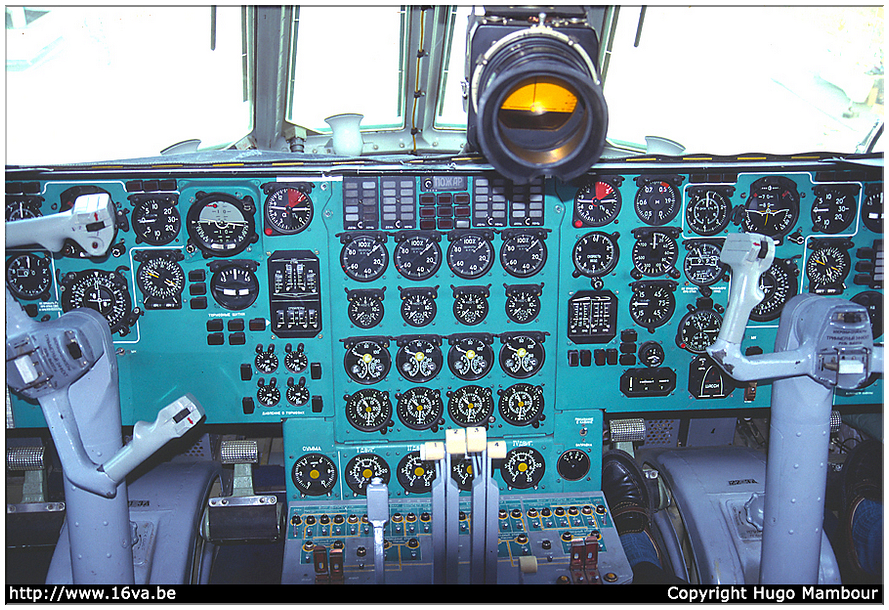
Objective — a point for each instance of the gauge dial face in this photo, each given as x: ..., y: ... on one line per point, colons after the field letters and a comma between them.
x: 369, y: 410
x: 772, y: 207
x: 655, y: 253
x: 365, y: 309
x: 652, y: 304
x: 702, y: 266
x: 419, y: 360
x: 28, y: 276
x: 471, y: 405
x: 420, y: 408
x: 521, y: 356
x: 418, y: 257
x: 523, y: 468
x: 834, y: 208
x: 418, y: 308
x: 221, y: 225
x: 657, y: 202
x: 367, y: 362
x: 234, y: 287
x: 596, y: 204
x: 288, y: 211
x: 573, y: 465
x: 364, y: 258
x: 268, y: 395
x: 698, y: 330
x: 161, y: 279
x: 651, y: 354
x: 297, y: 394
x: 523, y: 254
x: 415, y: 475
x: 470, y: 307
x: 362, y: 469
x: 19, y: 208
x: 828, y: 265
x: 522, y: 303
x: 595, y: 254
x: 156, y: 220
x: 103, y: 291
x: 265, y: 361
x: 470, y: 256
x: 779, y: 284
x: 872, y: 210
x: 707, y: 211
x: 295, y: 361
x: 521, y: 404
x: 314, y: 474
x: 461, y: 471
x: 470, y: 358
x: 873, y: 302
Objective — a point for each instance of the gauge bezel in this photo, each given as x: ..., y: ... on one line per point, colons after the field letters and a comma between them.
x: 432, y: 398
x: 596, y: 263
x: 405, y: 255
x: 532, y: 416
x: 533, y: 478
x: 710, y: 224
x: 274, y: 224
x: 582, y: 215
x: 512, y: 243
x: 330, y: 475
x: 455, y: 255
x: 368, y: 273
x: 381, y: 417
x: 426, y: 349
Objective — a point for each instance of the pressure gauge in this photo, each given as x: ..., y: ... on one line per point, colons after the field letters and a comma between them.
x: 470, y: 304
x: 297, y: 393
x: 521, y: 355
x: 573, y: 464
x: 314, y: 474
x: 266, y: 361
x: 268, y: 395
x: 418, y: 305
x: 365, y: 309
x: 523, y: 302
x: 369, y: 410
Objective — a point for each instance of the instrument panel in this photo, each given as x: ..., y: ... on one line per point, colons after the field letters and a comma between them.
x: 370, y: 311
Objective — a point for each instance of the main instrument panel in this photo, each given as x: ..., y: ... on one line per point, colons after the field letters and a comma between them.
x: 372, y: 310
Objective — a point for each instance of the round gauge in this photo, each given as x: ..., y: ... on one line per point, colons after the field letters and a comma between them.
x: 160, y: 278
x: 314, y: 474
x: 156, y: 220
x: 698, y: 329
x: 834, y: 209
x: 365, y: 309
x: 707, y: 212
x: 268, y: 395
x: 362, y: 469
x: 573, y: 465
x: 470, y: 358
x: 461, y: 471
x: 521, y: 404
x: 873, y: 302
x: 596, y: 204
x: 522, y: 468
x: 470, y: 306
x: 595, y: 254
x: 828, y: 265
x: 295, y: 361
x: 523, y: 254
x: 103, y: 291
x: 418, y: 308
x: 367, y: 362
x: 417, y: 257
x: 297, y: 393
x: 364, y: 257
x: 266, y: 361
x: 702, y: 266
x: 772, y: 207
x: 287, y: 211
x: 20, y: 208
x: 220, y: 224
x: 419, y: 360
x: 234, y: 286
x: 655, y: 253
x: 652, y: 304
x: 521, y: 356
x: 872, y: 209
x: 470, y: 256
x: 651, y: 354
x: 369, y: 410
x: 420, y: 408
x: 415, y: 475
x: 29, y: 276
x: 470, y: 405
x: 523, y: 303
x: 779, y: 284
x: 657, y: 202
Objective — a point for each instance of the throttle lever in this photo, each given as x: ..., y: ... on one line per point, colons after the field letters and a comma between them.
x: 749, y: 255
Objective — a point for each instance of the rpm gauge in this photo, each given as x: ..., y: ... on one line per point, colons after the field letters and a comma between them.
x: 596, y: 204
x: 364, y: 256
x: 523, y: 253
x: 220, y: 224
x: 417, y: 255
x: 470, y: 255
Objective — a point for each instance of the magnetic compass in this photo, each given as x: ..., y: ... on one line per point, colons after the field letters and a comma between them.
x: 314, y: 474
x: 362, y: 469
x: 522, y: 468
x: 521, y: 404
x: 597, y: 203
x: 369, y: 410
x: 521, y: 355
x: 367, y: 361
x: 221, y: 225
x: 417, y: 254
x: 471, y: 357
x: 470, y: 254
x: 287, y: 210
x: 420, y: 408
x: 29, y: 276
x: 419, y: 360
x: 415, y: 475
x: 470, y: 405
x: 364, y: 256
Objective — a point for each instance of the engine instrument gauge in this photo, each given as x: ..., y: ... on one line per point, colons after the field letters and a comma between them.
x: 573, y: 464
x: 365, y: 309
x: 461, y: 472
x: 522, y: 355
x: 420, y: 408
x: 418, y: 306
x: 471, y: 357
x: 287, y: 210
x: 772, y: 207
x: 103, y: 291
x: 521, y: 404
x: 417, y: 255
x: 652, y: 304
x: 470, y: 304
x: 470, y: 254
x: 702, y: 266
x: 698, y: 329
x: 708, y: 210
x: 233, y: 284
x: 266, y: 361
x: 161, y: 281
x: 415, y: 475
x: 597, y: 204
x: 362, y: 469
x: 595, y: 254
x: 367, y: 361
x: 779, y: 283
x: 523, y: 252
x: 834, y: 208
x: 470, y: 405
x: 295, y: 361
x: 268, y: 395
x: 369, y: 410
x: 29, y: 276
x: 523, y: 302
x: 419, y: 360
x: 156, y: 219
x: 828, y: 265
x: 220, y: 224
x: 655, y: 253
x: 314, y: 474
x: 657, y: 202
x: 364, y: 256
x: 297, y: 393
x: 522, y: 468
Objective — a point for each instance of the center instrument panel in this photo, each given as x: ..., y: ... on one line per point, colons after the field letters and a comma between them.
x: 371, y: 310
